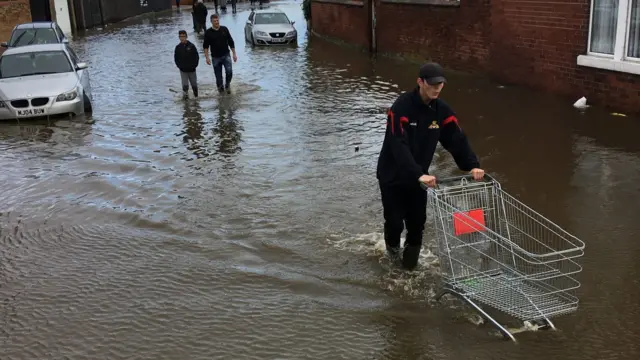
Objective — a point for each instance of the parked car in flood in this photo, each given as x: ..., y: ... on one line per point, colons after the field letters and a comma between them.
x: 41, y: 80
x: 41, y: 32
x: 270, y: 27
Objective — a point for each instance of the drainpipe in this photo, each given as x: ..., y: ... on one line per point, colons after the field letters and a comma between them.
x: 84, y: 17
x: 71, y: 6
x: 101, y: 13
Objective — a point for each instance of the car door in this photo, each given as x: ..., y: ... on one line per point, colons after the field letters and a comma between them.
x: 63, y: 37
x: 83, y: 75
x: 249, y: 26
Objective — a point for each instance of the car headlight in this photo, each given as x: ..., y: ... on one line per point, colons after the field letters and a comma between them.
x: 68, y: 96
x: 291, y: 33
x: 261, y: 33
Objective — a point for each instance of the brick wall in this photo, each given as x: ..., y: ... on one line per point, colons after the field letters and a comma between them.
x: 536, y: 43
x: 455, y: 36
x: 345, y: 22
x: 533, y: 42
x: 12, y: 12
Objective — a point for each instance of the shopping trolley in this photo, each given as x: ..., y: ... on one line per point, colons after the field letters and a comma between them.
x: 496, y: 251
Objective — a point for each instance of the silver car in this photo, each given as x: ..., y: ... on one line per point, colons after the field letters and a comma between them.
x: 270, y: 27
x: 41, y: 80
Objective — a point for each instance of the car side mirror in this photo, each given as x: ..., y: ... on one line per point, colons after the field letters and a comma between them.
x: 65, y: 41
x: 82, y: 66
x: 4, y: 45
x: 293, y: 22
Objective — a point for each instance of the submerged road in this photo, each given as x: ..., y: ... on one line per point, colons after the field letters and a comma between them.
x: 247, y: 227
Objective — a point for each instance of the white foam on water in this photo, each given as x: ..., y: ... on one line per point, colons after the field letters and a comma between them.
x: 422, y: 284
x: 418, y: 284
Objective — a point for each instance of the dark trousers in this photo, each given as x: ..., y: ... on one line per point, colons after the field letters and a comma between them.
x: 218, y: 63
x: 403, y: 206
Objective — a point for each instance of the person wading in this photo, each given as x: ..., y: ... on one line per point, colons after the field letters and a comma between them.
x: 219, y: 39
x: 416, y: 122
x: 200, y: 12
x: 187, y: 59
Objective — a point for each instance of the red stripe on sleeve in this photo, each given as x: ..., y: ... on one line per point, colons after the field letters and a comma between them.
x: 450, y: 119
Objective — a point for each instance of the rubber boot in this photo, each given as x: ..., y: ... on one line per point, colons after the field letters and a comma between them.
x: 185, y: 91
x: 392, y: 243
x: 410, y: 257
x: 195, y: 91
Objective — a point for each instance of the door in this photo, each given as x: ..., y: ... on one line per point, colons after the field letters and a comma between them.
x: 248, y: 27
x: 83, y: 75
x: 40, y: 10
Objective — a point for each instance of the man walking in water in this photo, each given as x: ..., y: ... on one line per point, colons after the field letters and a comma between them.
x: 200, y: 15
x: 416, y: 122
x: 219, y: 40
x: 187, y: 59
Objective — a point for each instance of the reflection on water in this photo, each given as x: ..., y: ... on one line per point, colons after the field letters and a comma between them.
x: 227, y: 129
x: 193, y: 127
x: 246, y: 226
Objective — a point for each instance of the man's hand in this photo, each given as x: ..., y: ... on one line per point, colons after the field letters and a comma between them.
x: 235, y: 58
x: 477, y: 174
x: 208, y: 61
x: 428, y: 180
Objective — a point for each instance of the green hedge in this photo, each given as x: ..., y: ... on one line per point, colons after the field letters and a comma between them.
x: 306, y: 9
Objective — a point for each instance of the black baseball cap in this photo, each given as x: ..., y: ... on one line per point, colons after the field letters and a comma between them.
x: 432, y: 73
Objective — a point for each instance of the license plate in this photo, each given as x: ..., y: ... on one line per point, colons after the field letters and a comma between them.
x: 31, y: 112
x: 278, y: 40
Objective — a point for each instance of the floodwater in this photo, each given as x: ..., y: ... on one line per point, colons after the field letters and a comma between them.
x: 248, y: 227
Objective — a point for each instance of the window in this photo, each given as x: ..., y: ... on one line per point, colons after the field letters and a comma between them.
x: 271, y: 18
x: 614, y: 36
x: 634, y: 30
x: 35, y: 63
x: 23, y: 37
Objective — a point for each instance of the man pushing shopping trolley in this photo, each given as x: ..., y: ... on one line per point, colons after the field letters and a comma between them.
x: 492, y: 249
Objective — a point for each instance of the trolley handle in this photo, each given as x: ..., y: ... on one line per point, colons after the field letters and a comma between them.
x: 458, y: 179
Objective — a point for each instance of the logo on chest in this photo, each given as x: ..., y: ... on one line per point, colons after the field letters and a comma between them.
x: 434, y: 125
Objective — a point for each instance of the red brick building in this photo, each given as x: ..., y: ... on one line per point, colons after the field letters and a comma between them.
x: 12, y: 12
x: 570, y: 47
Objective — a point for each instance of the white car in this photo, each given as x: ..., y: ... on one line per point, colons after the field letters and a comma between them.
x: 270, y: 27
x: 41, y: 80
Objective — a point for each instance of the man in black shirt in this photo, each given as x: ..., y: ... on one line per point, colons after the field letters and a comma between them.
x: 416, y: 122
x: 219, y: 39
x: 186, y: 58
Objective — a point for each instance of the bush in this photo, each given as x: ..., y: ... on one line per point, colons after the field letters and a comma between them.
x: 306, y: 9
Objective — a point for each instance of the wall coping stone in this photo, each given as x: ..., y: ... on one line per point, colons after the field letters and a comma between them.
x: 342, y: 2
x: 446, y: 3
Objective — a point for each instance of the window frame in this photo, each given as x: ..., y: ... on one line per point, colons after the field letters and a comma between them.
x: 618, y: 61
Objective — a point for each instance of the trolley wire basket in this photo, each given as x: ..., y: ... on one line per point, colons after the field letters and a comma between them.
x: 496, y: 251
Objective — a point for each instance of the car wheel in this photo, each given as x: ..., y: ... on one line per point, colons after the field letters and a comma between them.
x: 88, y: 108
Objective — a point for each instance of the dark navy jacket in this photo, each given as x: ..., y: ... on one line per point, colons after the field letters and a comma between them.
x: 414, y: 129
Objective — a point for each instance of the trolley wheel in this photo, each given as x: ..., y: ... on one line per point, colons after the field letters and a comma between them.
x: 542, y: 324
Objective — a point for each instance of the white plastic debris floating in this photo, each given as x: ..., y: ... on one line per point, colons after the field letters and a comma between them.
x: 581, y: 103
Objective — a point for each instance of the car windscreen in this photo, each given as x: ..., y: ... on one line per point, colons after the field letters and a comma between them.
x: 271, y: 18
x: 34, y: 63
x: 22, y: 37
